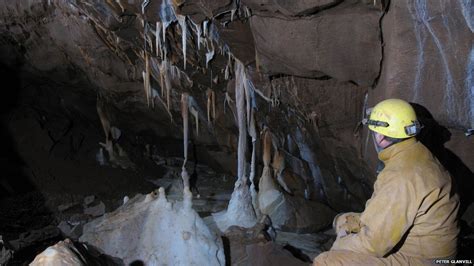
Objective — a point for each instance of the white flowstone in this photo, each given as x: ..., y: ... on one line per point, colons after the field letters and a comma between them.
x: 156, y: 232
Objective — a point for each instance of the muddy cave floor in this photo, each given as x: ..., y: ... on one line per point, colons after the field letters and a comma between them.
x: 35, y: 220
x: 60, y: 189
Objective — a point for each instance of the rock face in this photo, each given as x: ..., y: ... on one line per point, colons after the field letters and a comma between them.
x: 289, y: 8
x: 309, y: 48
x: 429, y: 58
x: 154, y: 231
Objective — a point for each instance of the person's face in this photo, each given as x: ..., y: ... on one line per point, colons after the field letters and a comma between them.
x: 380, y: 141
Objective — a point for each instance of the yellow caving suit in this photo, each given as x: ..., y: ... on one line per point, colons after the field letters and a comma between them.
x: 411, y: 218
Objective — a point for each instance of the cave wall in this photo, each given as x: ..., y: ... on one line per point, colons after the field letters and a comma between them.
x: 317, y: 66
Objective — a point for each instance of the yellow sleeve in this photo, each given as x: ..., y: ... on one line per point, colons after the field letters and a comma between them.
x: 347, y: 222
x: 386, y: 218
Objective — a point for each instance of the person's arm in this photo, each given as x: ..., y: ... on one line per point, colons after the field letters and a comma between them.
x: 387, y: 217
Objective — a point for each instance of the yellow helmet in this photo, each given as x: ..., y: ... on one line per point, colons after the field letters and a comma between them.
x: 394, y: 118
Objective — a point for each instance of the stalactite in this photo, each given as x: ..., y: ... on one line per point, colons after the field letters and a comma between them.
x: 185, y: 116
x: 213, y: 96
x: 278, y: 167
x: 149, y: 41
x: 241, y: 120
x: 226, y: 73
x: 167, y: 16
x: 267, y: 148
x: 228, y: 66
x: 165, y: 81
x: 198, y: 34
x: 195, y: 114
x: 182, y: 24
x: 208, y: 94
x: 250, y: 107
x: 157, y: 96
x: 163, y: 31
x: 103, y: 118
x: 205, y: 28
x: 147, y: 81
x: 253, y: 134
x: 211, y: 105
x: 145, y: 87
x: 144, y: 5
x: 159, y: 51
x: 209, y: 55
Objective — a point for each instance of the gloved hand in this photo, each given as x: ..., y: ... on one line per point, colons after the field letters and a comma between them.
x: 346, y: 223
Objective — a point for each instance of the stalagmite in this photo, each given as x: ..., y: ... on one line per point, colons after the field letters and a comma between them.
x: 269, y: 195
x: 240, y: 210
x: 253, y: 191
x: 155, y: 231
x: 184, y: 113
